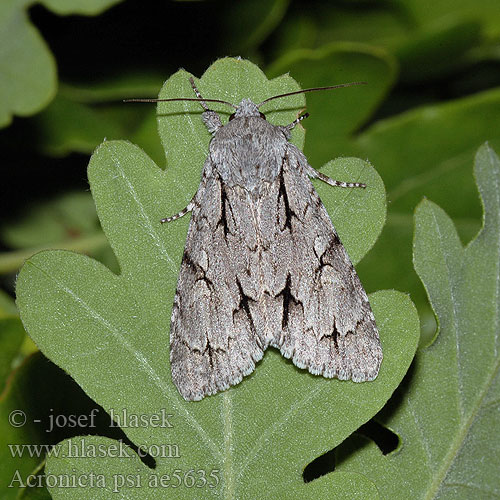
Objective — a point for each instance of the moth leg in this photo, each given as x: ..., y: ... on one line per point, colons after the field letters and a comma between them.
x: 210, y: 118
x: 178, y: 215
x: 313, y: 172
x: 318, y: 175
x: 292, y: 125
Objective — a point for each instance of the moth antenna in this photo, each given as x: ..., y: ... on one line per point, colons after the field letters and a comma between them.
x: 313, y: 89
x: 181, y: 99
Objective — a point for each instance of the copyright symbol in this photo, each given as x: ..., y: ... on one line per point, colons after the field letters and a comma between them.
x: 17, y: 418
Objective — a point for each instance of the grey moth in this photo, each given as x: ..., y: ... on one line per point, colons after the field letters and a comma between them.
x: 263, y: 265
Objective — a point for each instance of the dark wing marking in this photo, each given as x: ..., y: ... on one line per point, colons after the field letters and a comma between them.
x: 328, y: 324
x: 216, y: 333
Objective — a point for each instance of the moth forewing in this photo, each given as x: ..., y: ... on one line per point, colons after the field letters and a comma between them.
x: 263, y: 266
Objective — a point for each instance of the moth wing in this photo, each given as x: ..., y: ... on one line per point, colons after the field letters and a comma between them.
x: 213, y: 339
x: 328, y: 324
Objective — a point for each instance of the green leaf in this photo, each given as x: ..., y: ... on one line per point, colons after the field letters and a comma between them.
x: 257, y: 437
x: 7, y: 305
x: 27, y: 68
x: 48, y: 407
x: 444, y: 136
x: 247, y: 24
x: 446, y: 412
x: 68, y: 222
x: 354, y: 211
x: 14, y: 401
x: 425, y: 152
x: 11, y: 337
x: 66, y: 126
x: 423, y: 51
x: 428, y: 13
x: 116, y: 88
x: 79, y: 7
x: 438, y: 51
x: 80, y: 117
x: 28, y: 79
x: 35, y: 490
x: 69, y: 216
x: 336, y: 115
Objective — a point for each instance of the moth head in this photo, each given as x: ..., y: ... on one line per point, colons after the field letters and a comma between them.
x: 247, y: 108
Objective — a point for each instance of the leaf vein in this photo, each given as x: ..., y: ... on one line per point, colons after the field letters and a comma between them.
x: 453, y: 300
x: 458, y: 442
x: 158, y: 242
x: 277, y: 424
x: 425, y: 444
x: 165, y: 389
x: 477, y: 487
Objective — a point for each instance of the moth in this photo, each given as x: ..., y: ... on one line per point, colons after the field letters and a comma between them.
x: 263, y: 265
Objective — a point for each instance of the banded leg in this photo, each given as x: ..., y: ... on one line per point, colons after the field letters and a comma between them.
x: 178, y: 215
x: 295, y: 122
x: 318, y: 175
